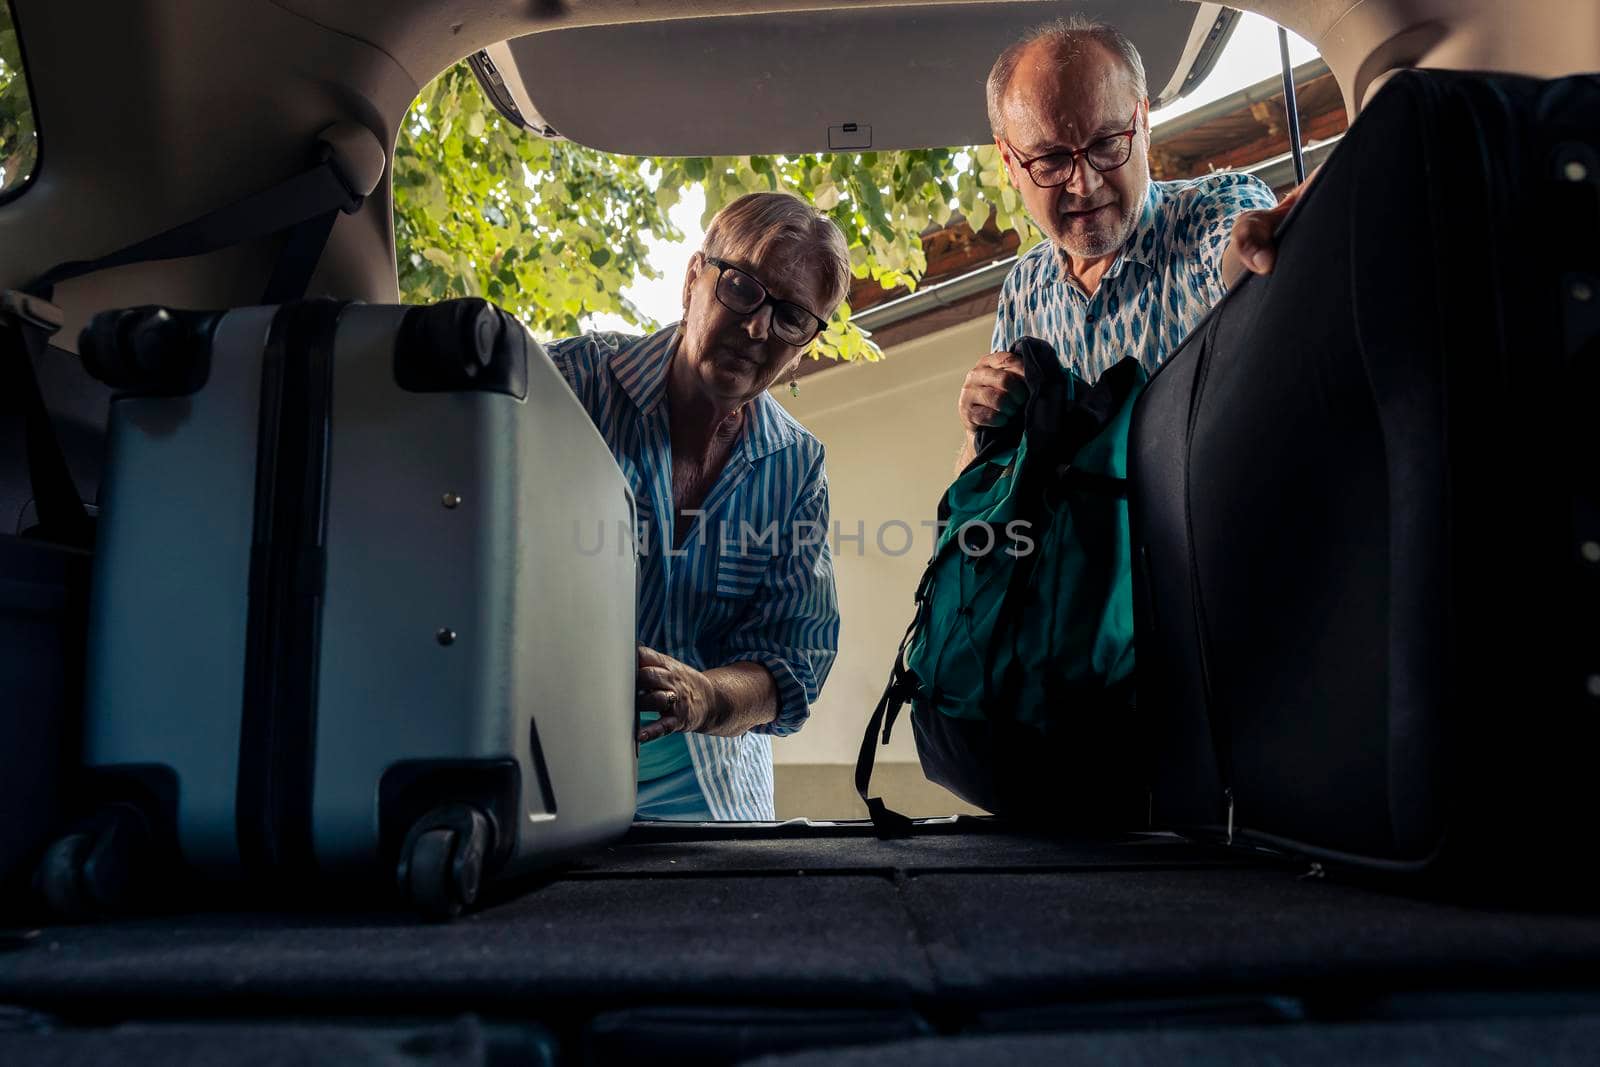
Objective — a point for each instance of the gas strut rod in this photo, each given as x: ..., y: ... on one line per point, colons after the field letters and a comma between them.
x: 1291, y: 108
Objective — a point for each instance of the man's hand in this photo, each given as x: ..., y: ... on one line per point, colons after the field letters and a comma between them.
x: 994, y: 391
x: 1253, y: 246
x: 685, y: 697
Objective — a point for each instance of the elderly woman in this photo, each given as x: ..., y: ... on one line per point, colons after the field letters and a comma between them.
x: 738, y: 616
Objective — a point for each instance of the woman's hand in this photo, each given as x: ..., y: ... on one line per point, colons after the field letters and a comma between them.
x: 686, y: 698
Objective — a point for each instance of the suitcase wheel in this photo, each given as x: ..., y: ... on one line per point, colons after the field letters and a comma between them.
x: 94, y: 871
x: 441, y: 863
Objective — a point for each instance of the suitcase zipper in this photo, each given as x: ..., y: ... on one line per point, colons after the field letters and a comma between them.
x: 253, y: 828
x: 278, y: 731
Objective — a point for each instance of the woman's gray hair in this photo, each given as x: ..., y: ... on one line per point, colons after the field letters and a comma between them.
x: 1066, y: 35
x: 760, y: 225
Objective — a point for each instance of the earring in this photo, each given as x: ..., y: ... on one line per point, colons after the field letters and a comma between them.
x: 794, y: 387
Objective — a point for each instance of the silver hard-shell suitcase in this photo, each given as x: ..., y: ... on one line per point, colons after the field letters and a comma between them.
x: 347, y: 616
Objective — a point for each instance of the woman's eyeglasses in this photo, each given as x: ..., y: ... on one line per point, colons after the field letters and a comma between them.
x: 738, y: 292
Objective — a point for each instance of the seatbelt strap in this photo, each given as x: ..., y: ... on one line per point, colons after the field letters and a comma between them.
x: 62, y: 517
x: 310, y: 200
x: 307, y: 205
x: 297, y: 261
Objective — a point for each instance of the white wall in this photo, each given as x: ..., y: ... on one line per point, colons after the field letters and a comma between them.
x: 892, y: 437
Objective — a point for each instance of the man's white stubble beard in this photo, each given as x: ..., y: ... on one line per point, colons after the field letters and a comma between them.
x: 1096, y: 245
x: 1105, y: 243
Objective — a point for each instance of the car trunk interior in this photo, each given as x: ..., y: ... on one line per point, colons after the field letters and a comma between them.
x: 709, y: 946
x: 713, y: 944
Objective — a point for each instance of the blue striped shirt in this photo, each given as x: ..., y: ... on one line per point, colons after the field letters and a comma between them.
x: 753, y: 580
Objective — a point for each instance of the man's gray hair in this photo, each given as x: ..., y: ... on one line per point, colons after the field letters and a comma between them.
x: 1066, y: 35
x: 758, y: 225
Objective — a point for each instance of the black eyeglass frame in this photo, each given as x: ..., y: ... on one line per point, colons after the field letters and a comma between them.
x: 1074, y: 153
x: 723, y: 266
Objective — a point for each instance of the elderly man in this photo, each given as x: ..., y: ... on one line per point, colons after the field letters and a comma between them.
x: 1129, y: 264
x: 738, y: 616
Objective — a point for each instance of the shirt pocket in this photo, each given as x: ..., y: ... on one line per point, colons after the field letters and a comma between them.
x: 740, y: 570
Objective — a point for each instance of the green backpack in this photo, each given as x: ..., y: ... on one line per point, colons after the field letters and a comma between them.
x: 1018, y: 663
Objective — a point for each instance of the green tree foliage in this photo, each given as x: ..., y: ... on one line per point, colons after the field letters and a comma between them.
x: 553, y: 231
x: 548, y: 230
x: 19, y: 144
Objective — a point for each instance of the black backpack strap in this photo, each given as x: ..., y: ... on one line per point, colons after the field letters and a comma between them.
x: 1090, y: 415
x: 902, y: 687
x: 1070, y: 477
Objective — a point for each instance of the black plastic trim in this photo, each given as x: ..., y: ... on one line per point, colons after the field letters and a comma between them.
x: 547, y: 792
x: 493, y: 85
x: 1206, y: 59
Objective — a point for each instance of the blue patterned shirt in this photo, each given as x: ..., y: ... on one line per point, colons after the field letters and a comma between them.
x: 1166, y: 278
x: 753, y: 579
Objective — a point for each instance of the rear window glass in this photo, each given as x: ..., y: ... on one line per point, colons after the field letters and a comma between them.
x: 19, y: 140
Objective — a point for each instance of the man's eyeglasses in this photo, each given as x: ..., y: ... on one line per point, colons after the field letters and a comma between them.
x: 738, y: 292
x: 1056, y: 168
